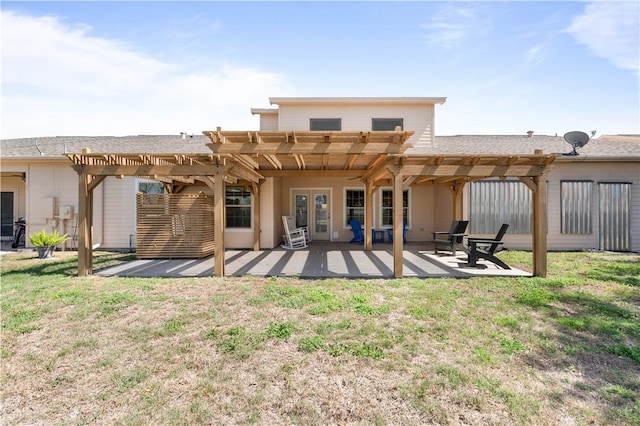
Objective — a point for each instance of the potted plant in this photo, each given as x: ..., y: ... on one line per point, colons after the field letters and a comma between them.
x: 46, y: 242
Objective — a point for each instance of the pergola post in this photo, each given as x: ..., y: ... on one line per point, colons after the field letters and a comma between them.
x: 456, y: 192
x: 398, y: 225
x: 255, y: 190
x: 368, y: 214
x: 85, y: 243
x: 218, y: 215
x: 540, y: 226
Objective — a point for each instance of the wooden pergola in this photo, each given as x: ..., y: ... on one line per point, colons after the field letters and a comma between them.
x: 249, y: 157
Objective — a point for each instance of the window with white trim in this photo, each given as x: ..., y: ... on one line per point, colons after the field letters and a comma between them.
x: 238, y: 207
x: 386, y: 207
x: 354, y: 205
x: 575, y: 207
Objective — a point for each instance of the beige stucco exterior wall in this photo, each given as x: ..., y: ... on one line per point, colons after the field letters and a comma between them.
x: 357, y: 117
x: 268, y: 121
x: 52, y: 185
x: 270, y: 212
x: 120, y: 214
x: 119, y: 206
x: 589, y: 171
x: 598, y: 173
x: 421, y: 213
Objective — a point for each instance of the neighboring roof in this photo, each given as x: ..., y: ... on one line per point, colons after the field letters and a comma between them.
x: 357, y: 100
x: 264, y: 111
x: 523, y: 144
x: 55, y: 147
x: 628, y: 138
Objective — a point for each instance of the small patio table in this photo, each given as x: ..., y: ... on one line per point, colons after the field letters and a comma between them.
x: 377, y: 235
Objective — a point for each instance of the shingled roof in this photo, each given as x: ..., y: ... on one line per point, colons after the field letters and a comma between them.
x: 624, y: 146
x: 56, y: 147
x: 608, y: 146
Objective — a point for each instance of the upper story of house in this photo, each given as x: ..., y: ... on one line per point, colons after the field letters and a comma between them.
x: 353, y: 114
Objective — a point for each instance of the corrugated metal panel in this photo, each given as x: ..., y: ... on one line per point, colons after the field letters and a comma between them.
x: 496, y: 202
x: 615, y: 226
x: 576, y: 207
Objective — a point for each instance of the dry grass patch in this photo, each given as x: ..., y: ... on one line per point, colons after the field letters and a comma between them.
x: 562, y: 350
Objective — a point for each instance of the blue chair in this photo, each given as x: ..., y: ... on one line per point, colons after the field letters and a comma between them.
x: 404, y: 233
x: 358, y: 233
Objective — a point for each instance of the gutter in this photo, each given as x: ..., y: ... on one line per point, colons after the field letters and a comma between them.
x: 593, y: 159
x: 60, y: 158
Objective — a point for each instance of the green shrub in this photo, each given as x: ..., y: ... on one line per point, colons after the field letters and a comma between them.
x: 47, y: 239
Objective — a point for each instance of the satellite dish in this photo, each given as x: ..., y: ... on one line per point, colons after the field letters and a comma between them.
x: 576, y: 139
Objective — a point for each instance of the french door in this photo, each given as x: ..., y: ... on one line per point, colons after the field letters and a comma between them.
x: 313, y: 210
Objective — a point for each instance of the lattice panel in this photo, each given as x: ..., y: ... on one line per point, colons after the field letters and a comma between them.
x: 172, y: 226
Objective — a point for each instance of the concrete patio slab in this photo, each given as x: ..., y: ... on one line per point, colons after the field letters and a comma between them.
x: 319, y: 260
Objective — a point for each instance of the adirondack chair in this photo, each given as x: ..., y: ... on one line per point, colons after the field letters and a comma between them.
x: 452, y: 239
x: 404, y: 233
x: 358, y: 233
x: 482, y: 248
x: 294, y: 238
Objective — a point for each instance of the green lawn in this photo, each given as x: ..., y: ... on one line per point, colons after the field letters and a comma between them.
x: 559, y: 350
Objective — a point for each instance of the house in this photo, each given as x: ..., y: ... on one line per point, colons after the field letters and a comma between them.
x: 326, y: 161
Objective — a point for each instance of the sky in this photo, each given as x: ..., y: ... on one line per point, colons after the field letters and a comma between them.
x: 136, y: 68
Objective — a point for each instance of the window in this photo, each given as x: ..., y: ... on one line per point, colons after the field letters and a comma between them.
x: 387, y: 207
x: 575, y: 207
x: 154, y: 193
x: 238, y: 207
x: 386, y: 123
x: 493, y: 203
x: 150, y: 187
x: 325, y: 124
x: 354, y: 205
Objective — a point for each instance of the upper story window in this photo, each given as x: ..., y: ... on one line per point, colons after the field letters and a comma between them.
x: 386, y: 123
x: 325, y: 124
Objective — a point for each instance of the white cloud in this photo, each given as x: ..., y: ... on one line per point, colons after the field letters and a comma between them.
x: 450, y: 26
x: 58, y: 79
x: 611, y: 30
x: 534, y: 56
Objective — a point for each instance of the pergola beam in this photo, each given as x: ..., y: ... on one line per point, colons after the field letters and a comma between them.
x: 283, y: 148
x: 147, y: 170
x: 240, y: 171
x: 451, y: 170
